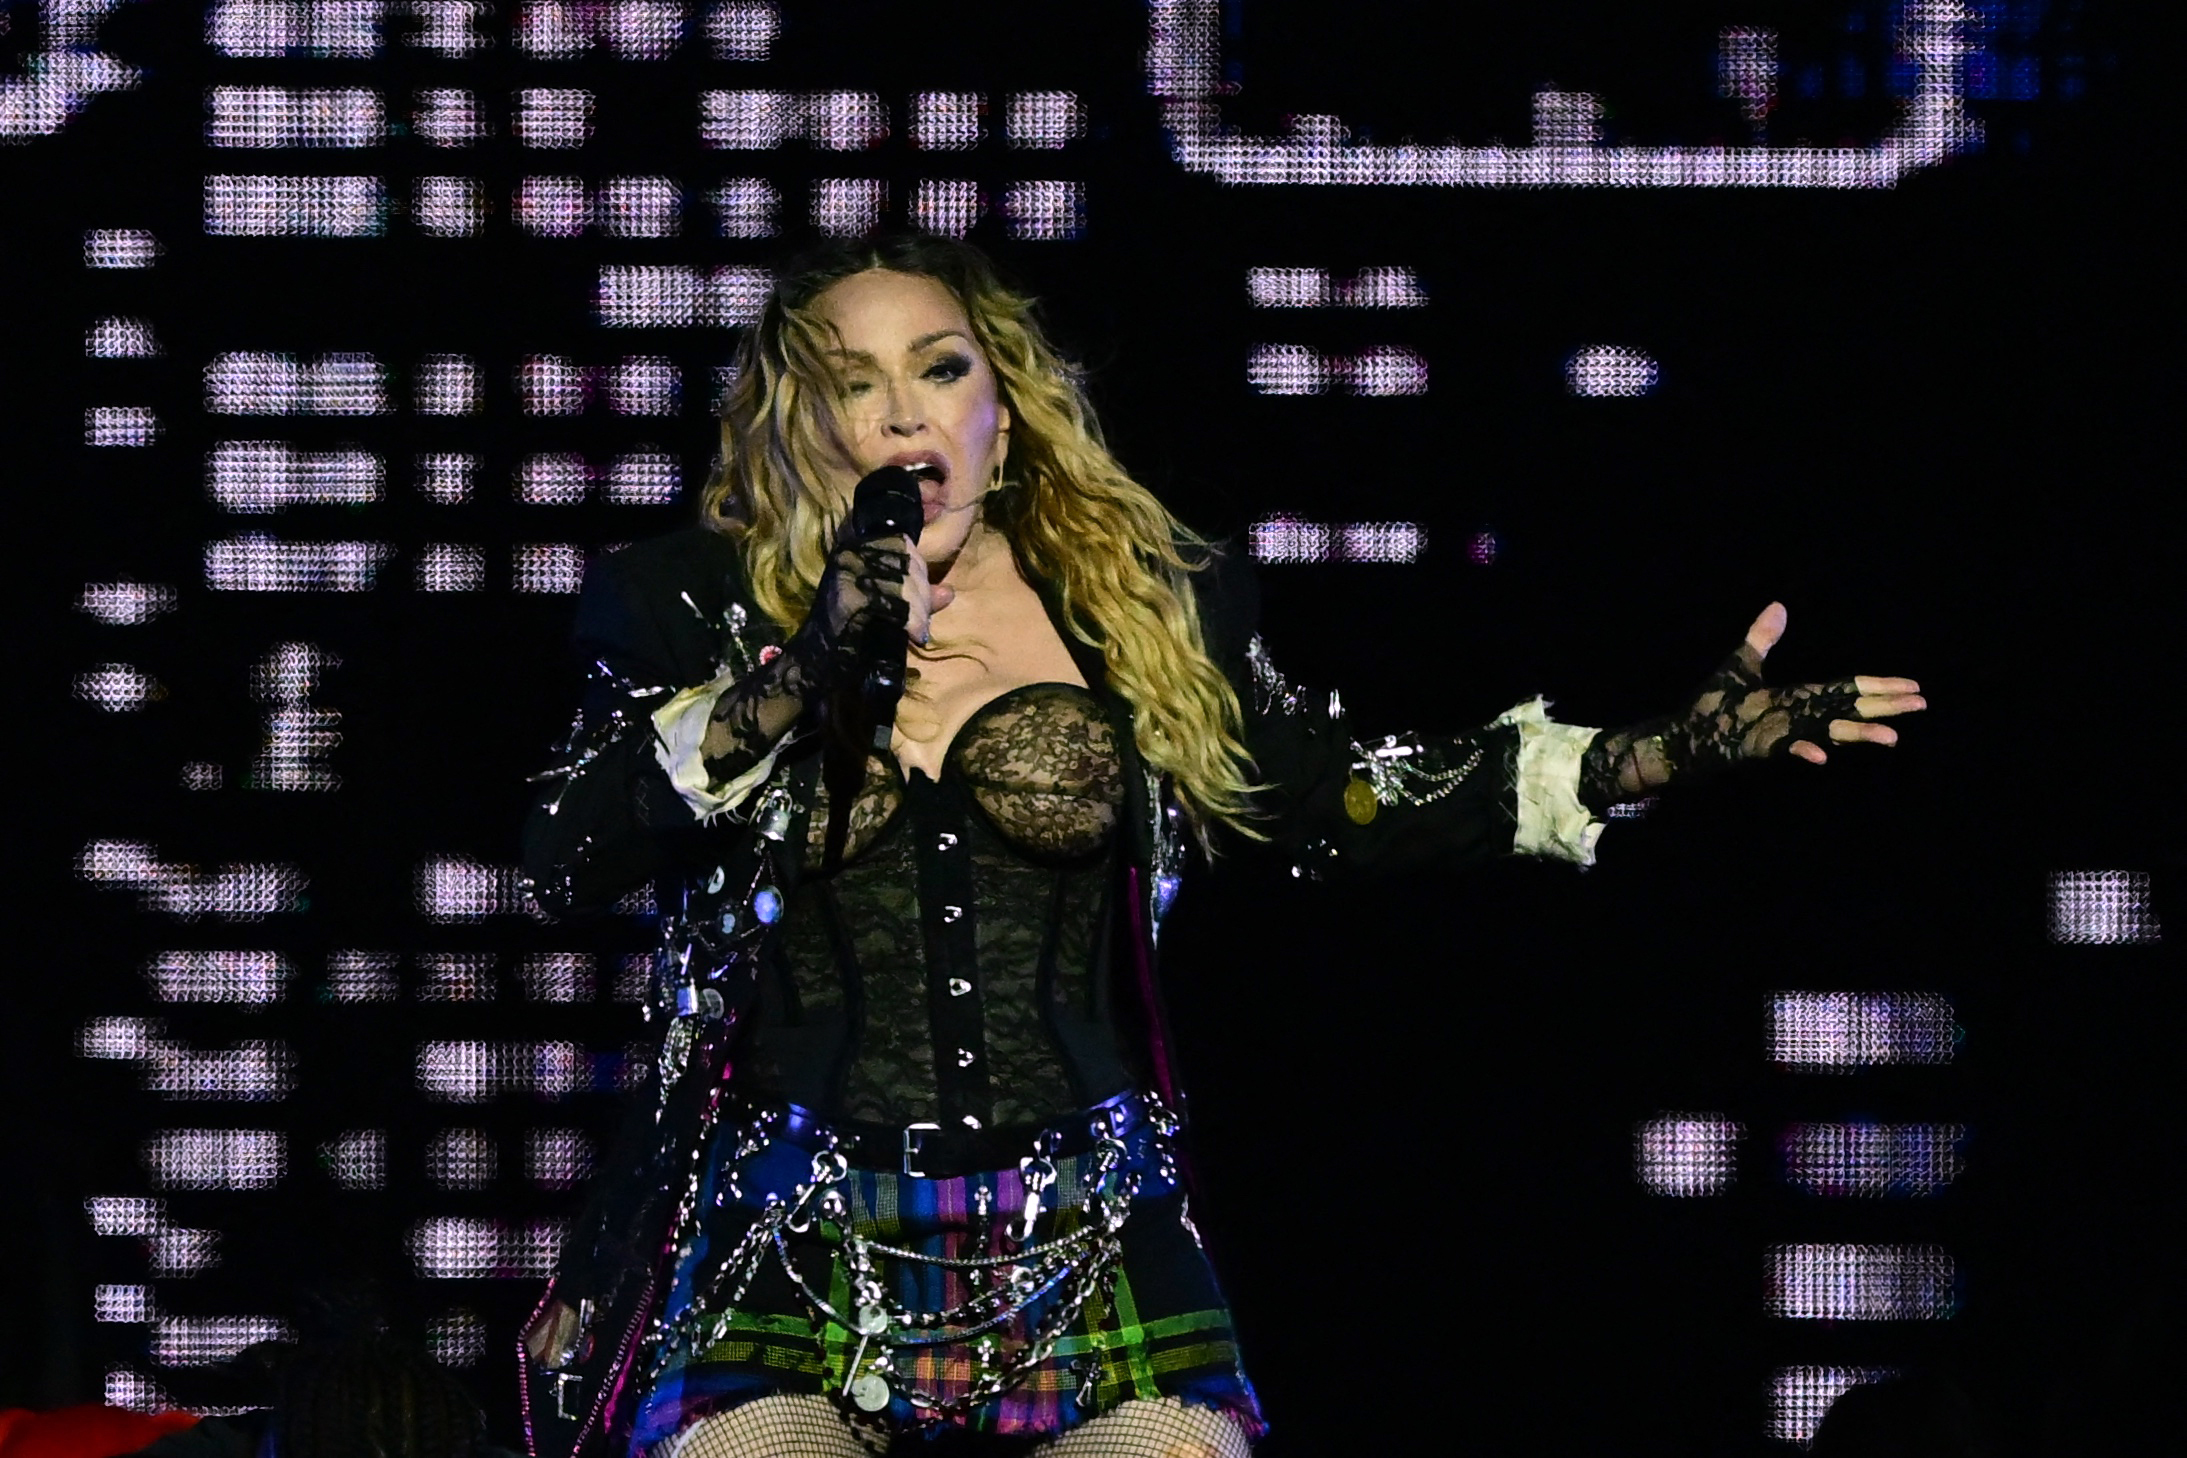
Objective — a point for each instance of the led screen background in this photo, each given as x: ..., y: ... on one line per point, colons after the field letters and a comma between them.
x: 343, y: 334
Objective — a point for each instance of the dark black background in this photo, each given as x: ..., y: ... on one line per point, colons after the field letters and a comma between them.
x: 1934, y: 420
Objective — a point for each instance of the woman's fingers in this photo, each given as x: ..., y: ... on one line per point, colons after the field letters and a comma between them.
x: 1801, y: 749
x: 1883, y: 706
x: 1767, y: 629
x: 1869, y: 684
x: 1852, y: 731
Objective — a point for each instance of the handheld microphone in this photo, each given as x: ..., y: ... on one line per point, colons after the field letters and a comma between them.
x: 886, y: 504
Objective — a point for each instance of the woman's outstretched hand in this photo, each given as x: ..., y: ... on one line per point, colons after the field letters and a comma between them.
x: 1737, y: 717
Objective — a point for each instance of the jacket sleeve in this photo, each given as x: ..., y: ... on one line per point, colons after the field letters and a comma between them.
x: 606, y: 814
x: 1343, y: 801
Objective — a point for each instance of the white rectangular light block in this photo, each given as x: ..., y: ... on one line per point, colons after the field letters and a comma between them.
x: 120, y: 248
x: 215, y: 1159
x: 252, y: 206
x: 1863, y: 1160
x: 348, y: 30
x: 250, y: 978
x: 126, y: 604
x: 1799, y: 1396
x: 256, y: 563
x: 455, y: 1247
x: 1834, y: 1032
x: 294, y: 116
x: 1848, y: 1282
x: 1685, y: 1155
x: 2103, y: 908
x: 259, y: 477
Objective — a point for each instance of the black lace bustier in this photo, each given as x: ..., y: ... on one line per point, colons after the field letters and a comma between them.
x: 950, y: 970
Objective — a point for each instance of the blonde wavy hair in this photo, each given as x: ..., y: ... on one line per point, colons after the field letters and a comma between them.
x: 1117, y: 560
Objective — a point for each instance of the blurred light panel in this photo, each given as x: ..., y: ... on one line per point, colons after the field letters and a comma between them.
x: 559, y: 976
x: 645, y: 385
x: 202, y: 774
x: 120, y: 248
x: 845, y: 121
x: 120, y: 1303
x: 643, y: 30
x: 448, y: 207
x: 1610, y: 370
x: 257, y: 563
x: 552, y: 384
x: 1687, y: 1154
x: 135, y: 1392
x: 457, y: 1339
x: 175, y: 1250
x: 553, y: 478
x: 461, y: 1159
x: 295, y: 207
x: 466, y: 1248
x: 640, y: 207
x: 1844, y: 1282
x: 250, y: 979
x: 557, y: 1159
x: 124, y: 426
x: 359, y: 976
x: 289, y: 116
x: 1045, y: 211
x: 1290, y: 540
x: 553, y: 207
x: 743, y: 30
x: 446, y: 384
x: 1044, y: 120
x: 321, y: 29
x: 848, y: 207
x: 642, y: 478
x: 247, y: 892
x: 451, y: 28
x: 746, y: 207
x: 949, y: 207
x: 2102, y: 908
x: 1830, y: 1032
x: 1385, y: 369
x: 946, y: 121
x: 633, y: 978
x: 553, y: 117
x: 117, y: 688
x: 471, y: 1072
x: 1873, y: 1160
x: 215, y: 1159
x: 669, y: 296
x: 455, y: 977
x: 259, y: 477
x: 356, y: 1159
x: 759, y: 121
x: 118, y: 337
x: 255, y: 1070
x: 447, y: 478
x: 448, y: 116
x: 281, y: 384
x: 1315, y: 288
x: 209, y: 1341
x: 458, y: 889
x: 450, y: 567
x: 126, y: 604
x: 1799, y: 1396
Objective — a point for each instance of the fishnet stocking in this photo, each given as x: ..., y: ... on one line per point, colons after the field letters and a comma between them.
x: 799, y: 1426
x: 1152, y: 1428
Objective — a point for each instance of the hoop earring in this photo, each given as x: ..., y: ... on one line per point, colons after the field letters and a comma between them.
x: 995, y: 482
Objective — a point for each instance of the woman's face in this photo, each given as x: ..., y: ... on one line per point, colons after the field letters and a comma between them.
x: 919, y: 394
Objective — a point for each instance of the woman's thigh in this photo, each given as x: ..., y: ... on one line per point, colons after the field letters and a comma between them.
x: 1152, y: 1428
x: 771, y: 1427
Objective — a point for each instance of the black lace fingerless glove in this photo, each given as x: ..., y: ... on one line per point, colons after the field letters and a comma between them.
x: 860, y: 592
x: 1734, y: 718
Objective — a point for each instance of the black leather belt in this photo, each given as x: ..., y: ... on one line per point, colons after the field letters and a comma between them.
x: 933, y: 1152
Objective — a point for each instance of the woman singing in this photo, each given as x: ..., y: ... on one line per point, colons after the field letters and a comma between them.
x: 907, y: 1154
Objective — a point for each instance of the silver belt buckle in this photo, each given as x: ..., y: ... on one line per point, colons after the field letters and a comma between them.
x: 913, y: 1142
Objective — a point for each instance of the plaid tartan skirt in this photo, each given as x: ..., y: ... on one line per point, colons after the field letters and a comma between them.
x: 1162, y: 1329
